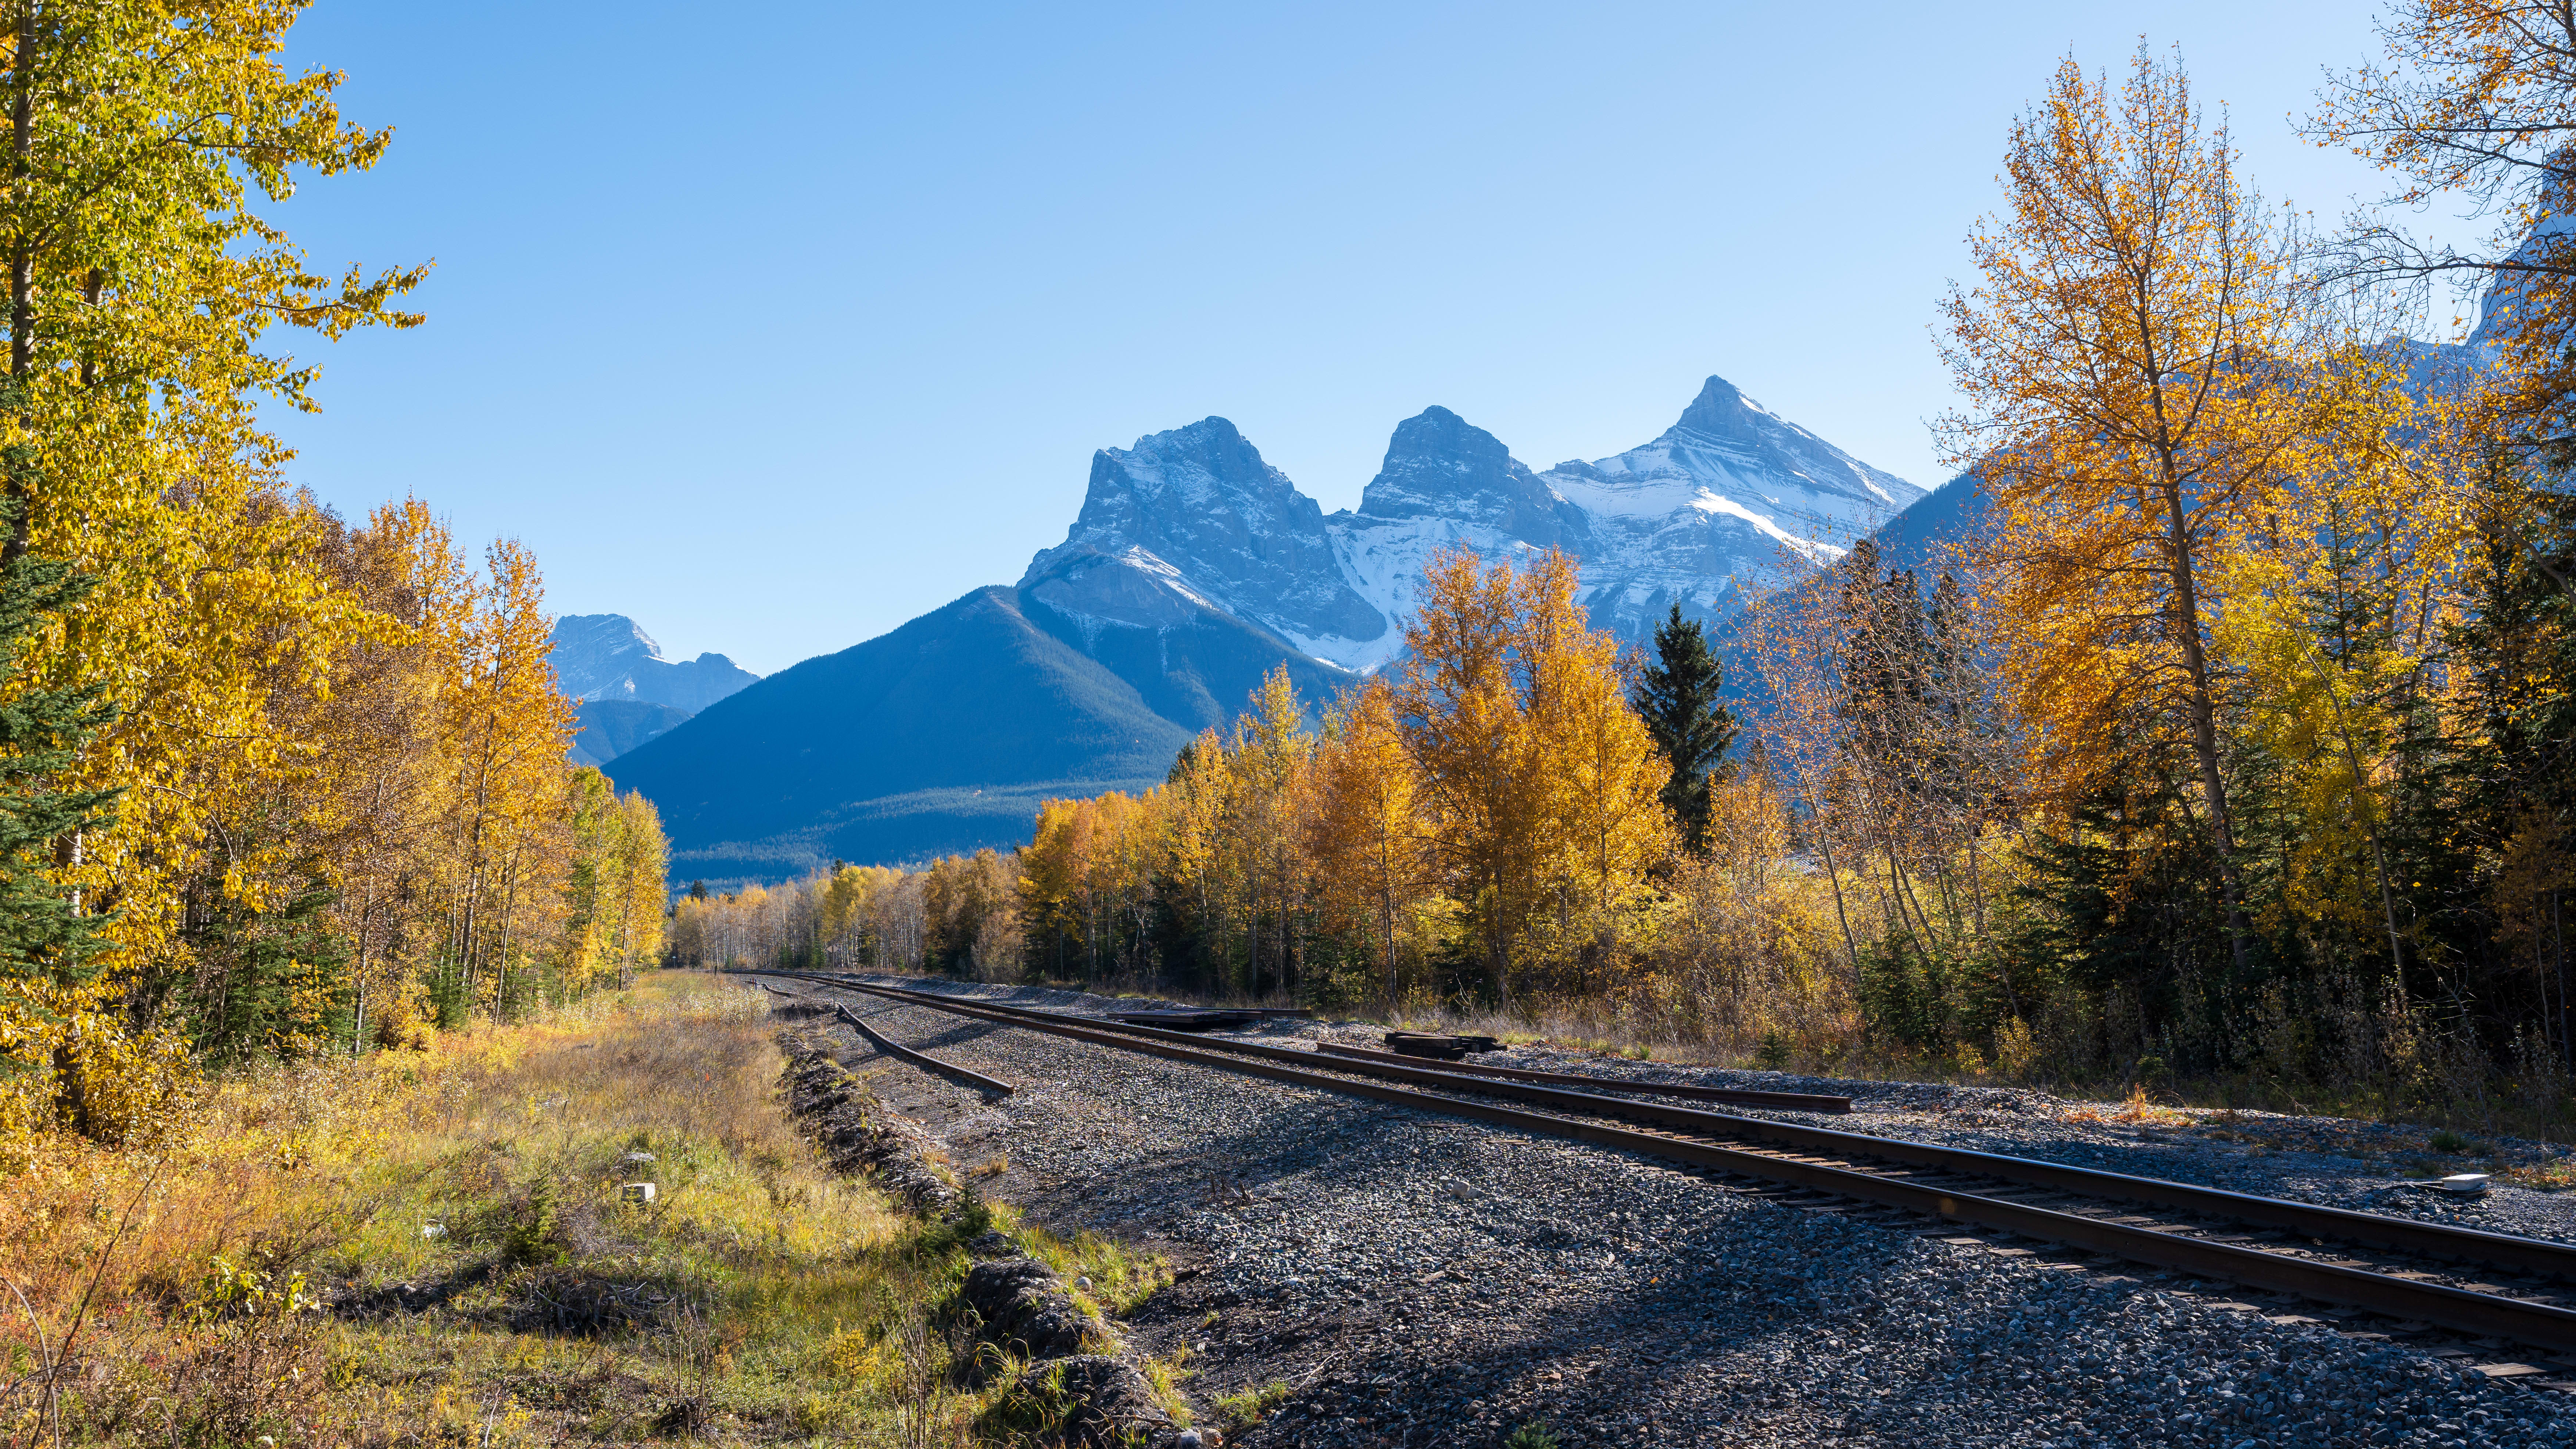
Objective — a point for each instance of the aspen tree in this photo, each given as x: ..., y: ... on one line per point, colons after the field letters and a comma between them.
x: 2127, y: 357
x: 1601, y: 773
x: 1461, y: 723
x: 643, y: 860
x: 1366, y: 835
x: 2477, y: 100
x: 1539, y: 782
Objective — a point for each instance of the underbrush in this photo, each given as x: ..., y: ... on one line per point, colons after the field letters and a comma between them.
x: 596, y: 1226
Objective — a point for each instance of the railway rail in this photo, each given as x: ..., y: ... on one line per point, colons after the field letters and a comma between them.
x: 924, y: 1060
x: 900, y: 1052
x: 1789, y: 1101
x: 2430, y: 1274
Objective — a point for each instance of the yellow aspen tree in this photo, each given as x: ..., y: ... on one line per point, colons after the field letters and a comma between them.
x: 1267, y: 762
x: 1460, y: 716
x: 1048, y: 880
x: 377, y: 736
x: 1366, y: 833
x: 1194, y: 824
x: 2339, y: 607
x: 505, y: 734
x: 2473, y: 103
x: 643, y: 859
x: 1600, y: 770
x: 2127, y: 355
x: 1527, y: 758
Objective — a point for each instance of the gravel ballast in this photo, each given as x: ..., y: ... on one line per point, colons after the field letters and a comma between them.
x: 1416, y: 1280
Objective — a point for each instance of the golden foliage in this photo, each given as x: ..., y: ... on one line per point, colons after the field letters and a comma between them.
x: 2128, y: 356
x: 1540, y: 784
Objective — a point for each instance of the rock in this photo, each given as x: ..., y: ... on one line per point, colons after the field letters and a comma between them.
x: 1023, y: 1309
x: 1088, y: 1401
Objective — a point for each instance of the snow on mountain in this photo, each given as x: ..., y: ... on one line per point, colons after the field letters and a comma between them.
x: 609, y: 656
x: 1195, y: 516
x: 1730, y: 495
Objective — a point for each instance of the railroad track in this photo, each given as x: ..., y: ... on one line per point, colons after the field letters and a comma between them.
x: 2482, y: 1285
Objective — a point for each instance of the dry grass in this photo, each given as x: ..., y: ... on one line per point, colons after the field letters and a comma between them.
x: 484, y: 1276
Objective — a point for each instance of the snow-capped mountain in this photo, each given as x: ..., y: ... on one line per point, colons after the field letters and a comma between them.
x: 1730, y: 495
x: 609, y: 656
x: 1194, y: 516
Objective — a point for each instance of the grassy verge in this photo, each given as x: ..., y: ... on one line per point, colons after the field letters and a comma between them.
x: 450, y: 1247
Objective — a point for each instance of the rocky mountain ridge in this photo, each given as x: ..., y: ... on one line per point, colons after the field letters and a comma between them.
x: 1732, y: 495
x: 609, y: 656
x: 628, y: 693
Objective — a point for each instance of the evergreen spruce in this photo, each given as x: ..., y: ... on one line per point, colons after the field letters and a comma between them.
x: 47, y: 942
x: 265, y: 978
x: 45, y: 937
x: 1676, y: 695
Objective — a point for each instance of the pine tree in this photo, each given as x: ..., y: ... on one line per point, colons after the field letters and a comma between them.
x: 1677, y: 696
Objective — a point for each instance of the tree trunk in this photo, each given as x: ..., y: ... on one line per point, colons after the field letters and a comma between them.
x: 22, y: 271
x: 2204, y: 710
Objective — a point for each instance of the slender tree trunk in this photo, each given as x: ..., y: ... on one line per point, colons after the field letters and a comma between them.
x: 366, y: 939
x: 1833, y: 873
x: 509, y: 933
x: 22, y: 268
x: 2558, y: 936
x: 2204, y: 705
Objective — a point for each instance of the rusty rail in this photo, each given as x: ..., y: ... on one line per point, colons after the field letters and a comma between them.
x: 1740, y: 1096
x: 924, y: 1060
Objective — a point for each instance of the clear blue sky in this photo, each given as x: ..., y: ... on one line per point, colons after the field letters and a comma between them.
x: 773, y: 326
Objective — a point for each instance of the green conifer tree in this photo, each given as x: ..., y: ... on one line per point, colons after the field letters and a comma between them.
x: 45, y: 935
x: 1676, y: 694
x: 47, y: 940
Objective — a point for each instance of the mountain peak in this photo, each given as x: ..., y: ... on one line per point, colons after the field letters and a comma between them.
x: 588, y: 650
x: 1211, y: 438
x: 1440, y: 465
x: 1437, y: 431
x: 1198, y: 510
x: 1721, y: 410
x: 609, y: 656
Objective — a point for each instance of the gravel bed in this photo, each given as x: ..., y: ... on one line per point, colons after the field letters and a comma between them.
x: 2335, y: 1161
x: 1415, y: 1280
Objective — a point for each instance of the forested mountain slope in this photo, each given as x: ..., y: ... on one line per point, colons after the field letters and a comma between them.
x: 942, y: 735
